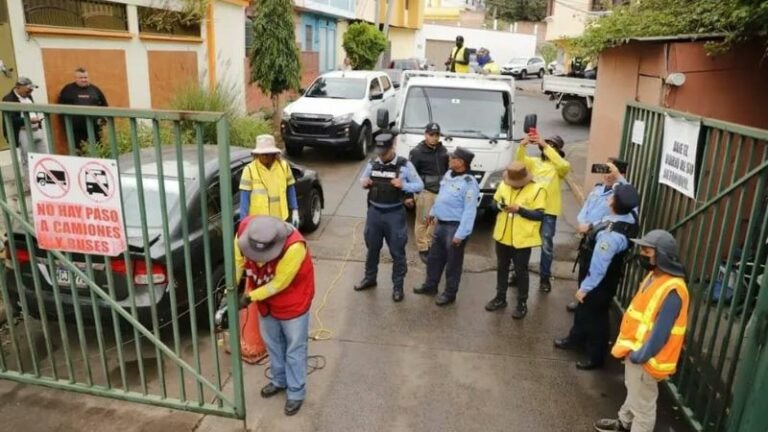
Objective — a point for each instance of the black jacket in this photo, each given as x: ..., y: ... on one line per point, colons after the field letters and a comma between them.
x: 431, y: 164
x: 17, y: 120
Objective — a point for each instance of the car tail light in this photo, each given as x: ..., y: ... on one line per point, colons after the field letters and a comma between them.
x: 140, y: 274
x: 22, y: 255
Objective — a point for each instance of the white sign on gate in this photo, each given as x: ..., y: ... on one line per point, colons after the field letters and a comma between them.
x: 76, y: 204
x: 678, y: 156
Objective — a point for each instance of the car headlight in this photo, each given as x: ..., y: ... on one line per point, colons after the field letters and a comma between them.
x: 494, y: 179
x: 346, y: 118
x: 286, y: 115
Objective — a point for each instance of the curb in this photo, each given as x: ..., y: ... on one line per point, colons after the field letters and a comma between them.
x: 576, y: 189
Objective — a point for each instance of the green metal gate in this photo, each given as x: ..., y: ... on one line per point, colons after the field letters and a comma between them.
x: 137, y: 327
x: 723, y: 237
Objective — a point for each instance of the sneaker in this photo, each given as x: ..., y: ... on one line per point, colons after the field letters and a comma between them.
x: 444, y: 299
x: 425, y: 290
x: 545, y: 285
x: 610, y: 425
x: 495, y: 304
x: 520, y: 311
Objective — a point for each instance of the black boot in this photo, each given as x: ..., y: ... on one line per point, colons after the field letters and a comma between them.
x: 397, y: 295
x: 520, y: 311
x: 364, y: 285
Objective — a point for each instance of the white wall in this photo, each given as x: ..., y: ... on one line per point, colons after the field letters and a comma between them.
x: 503, y: 45
x: 230, y: 44
x: 569, y: 19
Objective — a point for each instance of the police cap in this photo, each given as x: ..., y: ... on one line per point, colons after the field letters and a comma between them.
x: 463, y: 154
x: 625, y: 198
x: 385, y: 140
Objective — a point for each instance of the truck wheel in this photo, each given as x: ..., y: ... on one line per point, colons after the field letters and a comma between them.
x: 541, y: 73
x: 310, y: 220
x: 360, y: 149
x: 523, y: 74
x: 575, y: 112
x: 294, y: 150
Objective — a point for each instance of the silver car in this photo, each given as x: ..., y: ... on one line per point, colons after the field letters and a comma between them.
x: 523, y: 67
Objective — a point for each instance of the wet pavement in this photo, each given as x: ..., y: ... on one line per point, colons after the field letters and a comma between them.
x: 399, y: 367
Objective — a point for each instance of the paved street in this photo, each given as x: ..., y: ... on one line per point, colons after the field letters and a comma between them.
x: 399, y: 367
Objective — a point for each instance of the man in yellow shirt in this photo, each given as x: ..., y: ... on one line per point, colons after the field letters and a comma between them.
x: 267, y: 186
x: 458, y: 61
x: 548, y: 170
x: 280, y: 282
x: 521, y: 203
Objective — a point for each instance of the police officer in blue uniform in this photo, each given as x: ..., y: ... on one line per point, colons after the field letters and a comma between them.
x: 596, y: 207
x: 388, y: 179
x: 601, y: 264
x: 454, y: 213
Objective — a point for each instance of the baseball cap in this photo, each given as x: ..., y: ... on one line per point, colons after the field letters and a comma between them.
x: 24, y: 81
x: 432, y: 128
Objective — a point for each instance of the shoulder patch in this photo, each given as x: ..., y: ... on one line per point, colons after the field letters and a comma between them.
x: 604, y: 246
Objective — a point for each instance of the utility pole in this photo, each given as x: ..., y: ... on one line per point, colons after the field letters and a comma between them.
x: 388, y: 18
x: 377, y: 15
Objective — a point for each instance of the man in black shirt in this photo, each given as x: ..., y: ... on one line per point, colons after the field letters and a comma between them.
x: 82, y: 92
x: 431, y: 161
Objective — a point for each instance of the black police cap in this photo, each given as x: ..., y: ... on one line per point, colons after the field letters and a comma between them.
x: 385, y: 139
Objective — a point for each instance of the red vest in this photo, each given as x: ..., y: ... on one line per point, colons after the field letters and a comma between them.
x: 294, y: 300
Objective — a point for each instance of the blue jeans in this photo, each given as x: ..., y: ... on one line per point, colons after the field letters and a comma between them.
x: 443, y: 255
x: 287, y: 347
x: 547, y: 231
x: 389, y: 225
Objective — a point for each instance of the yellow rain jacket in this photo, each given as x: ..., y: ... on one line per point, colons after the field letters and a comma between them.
x: 548, y: 173
x: 512, y: 229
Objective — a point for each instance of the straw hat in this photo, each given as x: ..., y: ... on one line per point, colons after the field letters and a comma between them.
x: 517, y: 175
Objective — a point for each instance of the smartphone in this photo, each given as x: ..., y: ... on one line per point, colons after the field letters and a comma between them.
x: 529, y: 125
x: 600, y: 169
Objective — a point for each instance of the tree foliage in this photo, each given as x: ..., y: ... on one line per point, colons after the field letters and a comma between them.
x: 363, y: 44
x: 275, y: 63
x: 518, y: 10
x: 737, y: 20
x: 548, y: 52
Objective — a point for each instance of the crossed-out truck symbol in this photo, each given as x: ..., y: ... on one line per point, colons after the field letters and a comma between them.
x: 51, y: 177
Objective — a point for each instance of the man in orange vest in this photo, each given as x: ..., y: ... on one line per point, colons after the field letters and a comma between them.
x: 281, y: 281
x: 652, y: 332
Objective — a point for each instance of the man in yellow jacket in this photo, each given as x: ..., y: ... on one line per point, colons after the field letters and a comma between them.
x: 267, y: 186
x: 548, y: 170
x: 458, y: 61
x: 521, y: 203
x: 652, y: 332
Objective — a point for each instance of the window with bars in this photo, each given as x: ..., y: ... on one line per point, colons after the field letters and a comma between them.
x: 169, y: 22
x: 90, y: 14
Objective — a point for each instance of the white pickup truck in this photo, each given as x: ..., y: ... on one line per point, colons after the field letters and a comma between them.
x: 576, y: 96
x: 474, y: 111
x: 339, y: 111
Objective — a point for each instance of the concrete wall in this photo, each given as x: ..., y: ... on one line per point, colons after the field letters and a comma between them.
x: 230, y: 38
x: 503, y: 45
x: 403, y: 42
x: 731, y: 87
x: 568, y: 19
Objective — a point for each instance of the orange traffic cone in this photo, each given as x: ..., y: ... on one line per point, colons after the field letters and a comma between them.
x: 252, y: 348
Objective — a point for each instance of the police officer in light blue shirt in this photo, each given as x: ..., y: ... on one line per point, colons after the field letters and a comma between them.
x: 388, y: 178
x: 454, y: 213
x: 601, y: 264
x: 596, y: 205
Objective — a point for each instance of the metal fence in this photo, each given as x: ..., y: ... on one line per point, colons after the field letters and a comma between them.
x: 723, y: 239
x: 139, y: 326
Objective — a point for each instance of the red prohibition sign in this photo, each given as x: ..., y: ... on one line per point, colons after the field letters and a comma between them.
x: 96, y: 182
x: 51, y: 178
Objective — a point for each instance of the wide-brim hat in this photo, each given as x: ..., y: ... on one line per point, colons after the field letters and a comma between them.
x: 667, y: 255
x: 265, y: 144
x: 517, y: 175
x: 264, y: 238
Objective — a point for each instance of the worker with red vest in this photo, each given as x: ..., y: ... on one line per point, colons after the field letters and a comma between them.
x: 274, y: 258
x: 652, y: 332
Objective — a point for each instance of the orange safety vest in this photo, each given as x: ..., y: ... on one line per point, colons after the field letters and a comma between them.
x: 638, y: 321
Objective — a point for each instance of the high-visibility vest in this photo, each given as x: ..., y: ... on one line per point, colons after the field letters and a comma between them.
x: 458, y: 54
x: 268, y: 187
x: 491, y: 68
x: 638, y: 321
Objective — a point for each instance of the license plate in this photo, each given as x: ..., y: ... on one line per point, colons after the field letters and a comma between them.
x: 62, y: 279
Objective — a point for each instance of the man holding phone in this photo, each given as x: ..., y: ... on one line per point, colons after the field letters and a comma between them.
x: 548, y: 170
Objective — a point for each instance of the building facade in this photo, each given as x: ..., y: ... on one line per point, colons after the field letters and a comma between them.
x: 317, y: 28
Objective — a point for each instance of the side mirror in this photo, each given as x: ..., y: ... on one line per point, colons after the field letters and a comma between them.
x: 377, y: 96
x: 396, y: 85
x: 382, y: 118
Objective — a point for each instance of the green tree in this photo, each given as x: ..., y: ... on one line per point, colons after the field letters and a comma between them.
x: 363, y: 44
x: 736, y: 20
x: 518, y: 10
x: 549, y: 52
x: 275, y: 63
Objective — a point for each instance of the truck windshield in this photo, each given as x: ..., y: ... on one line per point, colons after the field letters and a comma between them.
x: 337, y: 88
x: 469, y: 113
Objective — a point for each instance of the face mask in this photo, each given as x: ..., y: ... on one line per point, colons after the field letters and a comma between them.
x: 645, y: 263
